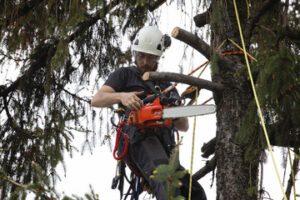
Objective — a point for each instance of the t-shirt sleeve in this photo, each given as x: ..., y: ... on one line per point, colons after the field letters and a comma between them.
x: 116, y: 80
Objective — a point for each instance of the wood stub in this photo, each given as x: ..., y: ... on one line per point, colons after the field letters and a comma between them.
x: 208, y: 148
x: 192, y: 40
x: 175, y: 32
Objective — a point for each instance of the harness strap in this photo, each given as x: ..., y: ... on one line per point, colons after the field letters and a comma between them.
x: 119, y: 130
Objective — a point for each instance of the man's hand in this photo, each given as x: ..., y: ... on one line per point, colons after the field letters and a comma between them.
x: 107, y: 96
x: 132, y: 101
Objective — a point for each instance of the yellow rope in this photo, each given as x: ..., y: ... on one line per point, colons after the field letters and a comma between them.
x: 193, y: 140
x: 256, y: 100
x: 248, y: 9
x: 221, y: 45
x: 292, y: 172
x: 192, y: 156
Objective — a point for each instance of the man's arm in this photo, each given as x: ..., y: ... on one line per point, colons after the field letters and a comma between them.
x: 182, y: 124
x: 107, y: 96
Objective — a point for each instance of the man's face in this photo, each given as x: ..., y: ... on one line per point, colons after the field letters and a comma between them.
x: 146, y: 62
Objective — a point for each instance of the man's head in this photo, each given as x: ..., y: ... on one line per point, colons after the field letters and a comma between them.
x: 148, y: 46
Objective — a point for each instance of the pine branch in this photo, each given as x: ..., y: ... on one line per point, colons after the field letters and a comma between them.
x: 72, y: 94
x: 255, y: 18
x: 92, y: 20
x: 41, y: 53
x: 181, y: 78
x: 192, y: 40
x: 202, y: 18
x: 42, y: 50
x: 210, y: 166
x: 23, y: 9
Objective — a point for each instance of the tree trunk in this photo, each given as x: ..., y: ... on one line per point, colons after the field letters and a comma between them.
x: 236, y: 177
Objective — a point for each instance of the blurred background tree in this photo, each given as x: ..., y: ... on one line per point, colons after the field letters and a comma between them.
x: 61, y: 46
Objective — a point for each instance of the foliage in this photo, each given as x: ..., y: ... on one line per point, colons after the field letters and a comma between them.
x: 277, y: 83
x: 59, y: 47
x: 169, y: 174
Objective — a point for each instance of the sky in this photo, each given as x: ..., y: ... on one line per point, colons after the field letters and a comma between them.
x: 98, y: 168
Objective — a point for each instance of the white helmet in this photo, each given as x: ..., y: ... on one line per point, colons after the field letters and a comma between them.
x: 149, y: 40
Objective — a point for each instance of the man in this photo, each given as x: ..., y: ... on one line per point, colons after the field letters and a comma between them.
x: 125, y: 87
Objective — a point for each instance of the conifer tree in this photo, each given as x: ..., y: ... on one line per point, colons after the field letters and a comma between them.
x: 61, y: 43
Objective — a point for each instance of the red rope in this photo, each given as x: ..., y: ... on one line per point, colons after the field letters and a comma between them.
x: 119, y: 130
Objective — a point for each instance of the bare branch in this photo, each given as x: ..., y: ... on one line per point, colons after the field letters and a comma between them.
x: 181, y: 78
x: 192, y: 40
x: 210, y: 166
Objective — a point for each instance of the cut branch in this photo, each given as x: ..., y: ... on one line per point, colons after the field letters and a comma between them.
x: 192, y: 40
x: 208, y: 148
x: 210, y: 166
x: 202, y: 18
x: 181, y: 78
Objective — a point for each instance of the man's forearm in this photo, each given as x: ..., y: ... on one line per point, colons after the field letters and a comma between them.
x: 106, y: 99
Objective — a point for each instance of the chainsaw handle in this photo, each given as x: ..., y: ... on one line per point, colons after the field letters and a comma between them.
x: 149, y: 99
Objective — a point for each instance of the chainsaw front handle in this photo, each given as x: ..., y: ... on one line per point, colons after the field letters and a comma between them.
x: 149, y: 99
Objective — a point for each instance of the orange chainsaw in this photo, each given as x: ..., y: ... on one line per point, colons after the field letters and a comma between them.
x: 161, y: 112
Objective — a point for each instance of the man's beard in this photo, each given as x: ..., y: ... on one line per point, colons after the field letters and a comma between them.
x: 149, y: 68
